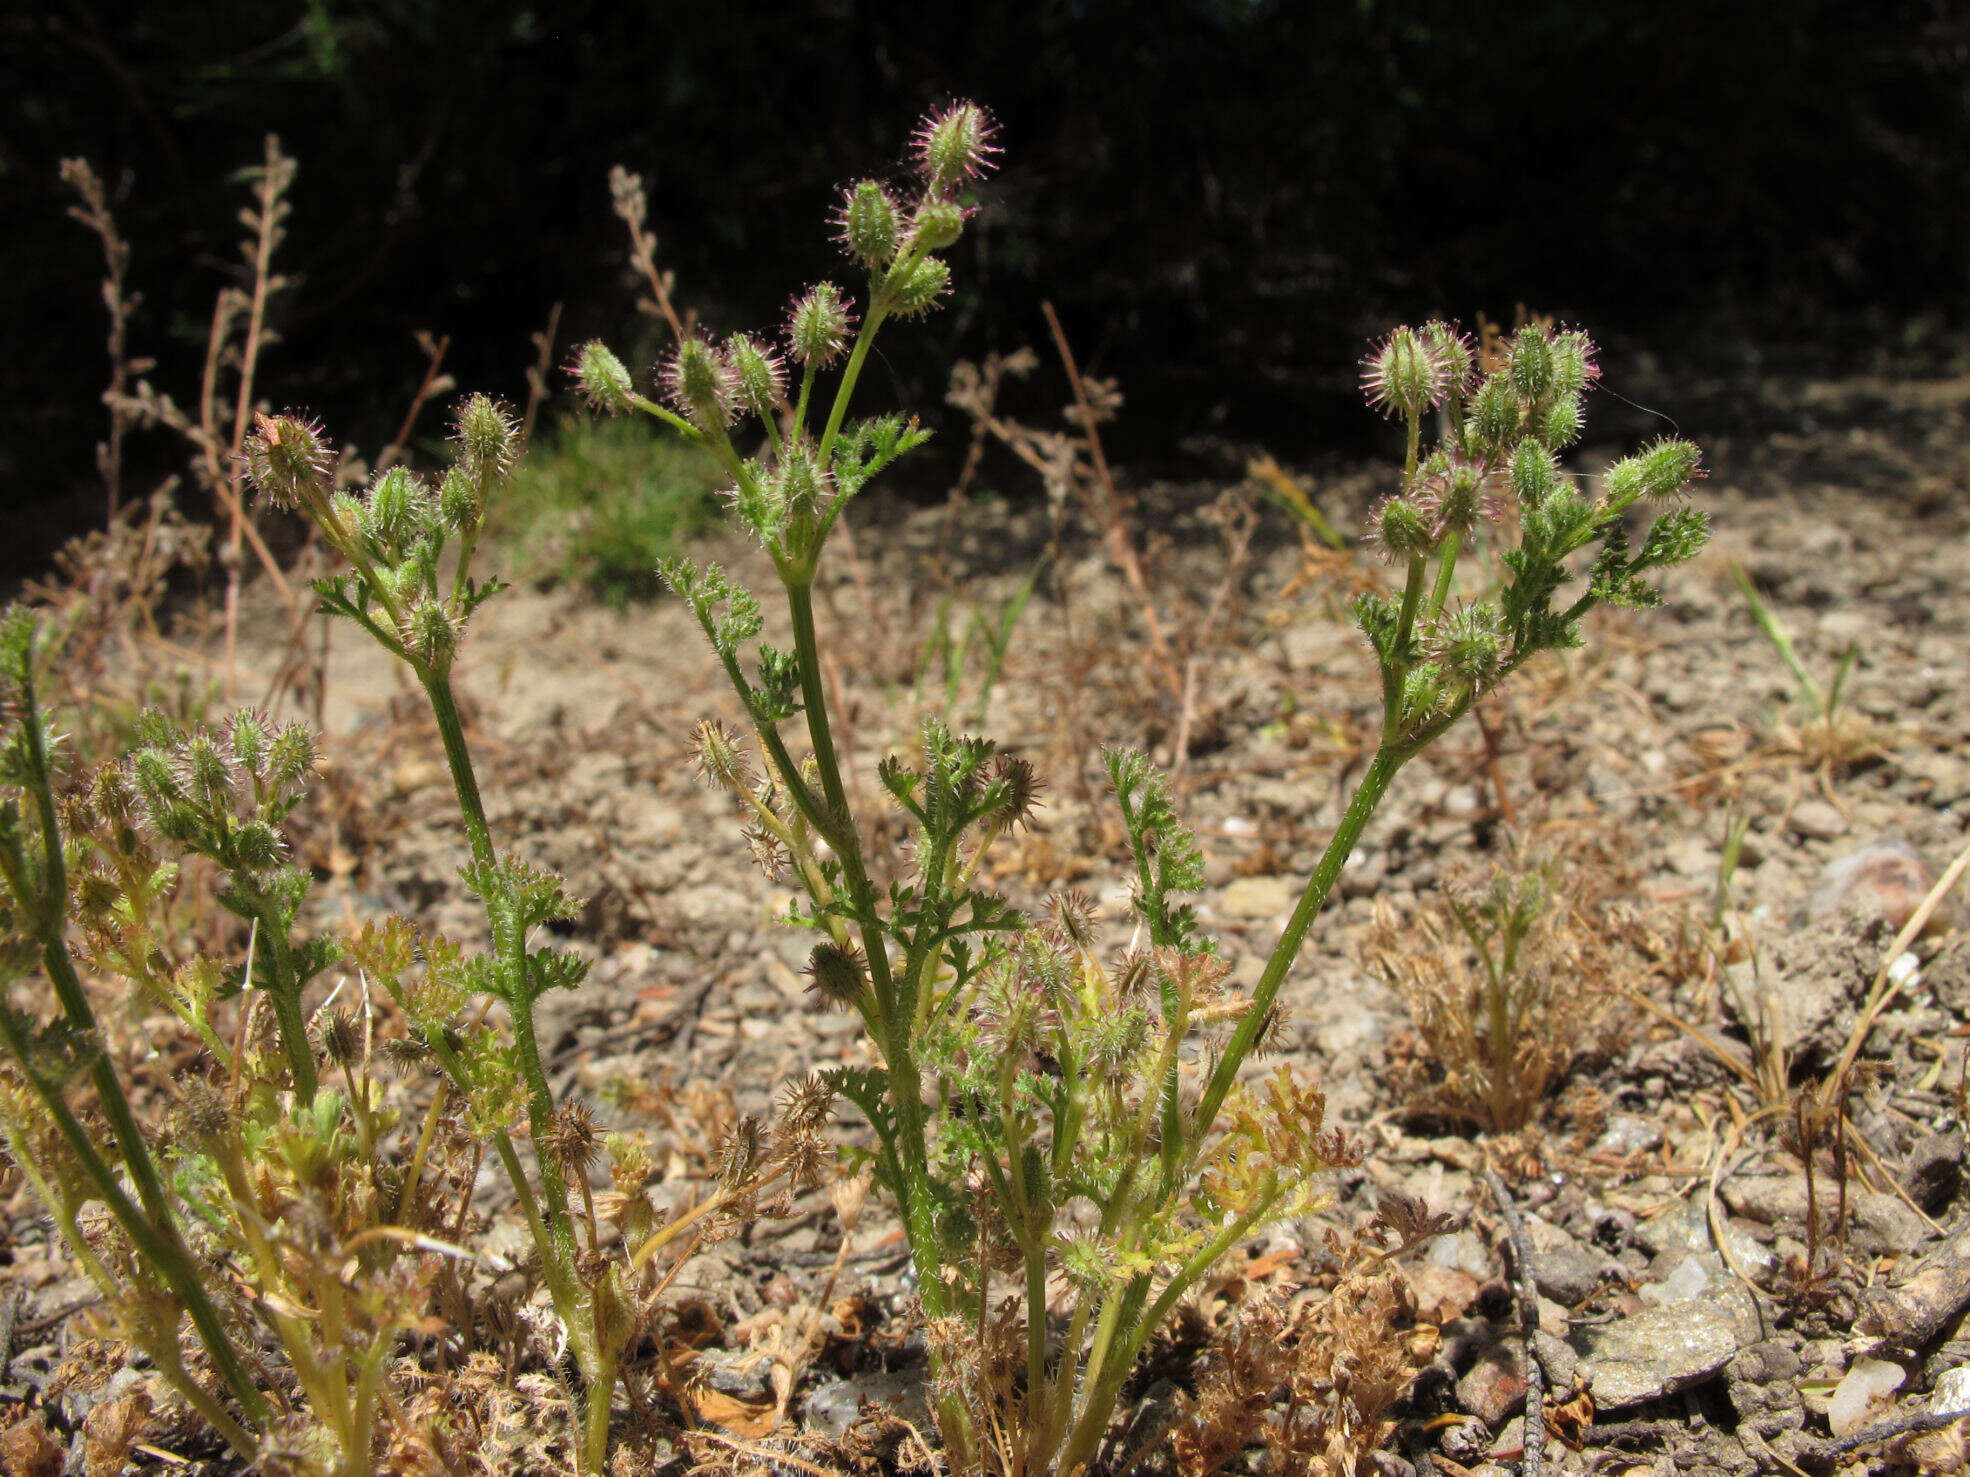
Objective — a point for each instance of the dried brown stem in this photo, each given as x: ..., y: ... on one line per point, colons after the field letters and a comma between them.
x: 1112, y: 512
x: 1528, y: 1305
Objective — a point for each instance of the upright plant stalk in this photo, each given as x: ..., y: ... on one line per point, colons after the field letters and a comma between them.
x: 43, y: 902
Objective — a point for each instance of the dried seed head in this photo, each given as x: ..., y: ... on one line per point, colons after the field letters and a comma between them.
x: 700, y: 385
x: 807, y: 1160
x: 602, y: 378
x: 573, y: 1140
x: 340, y: 1041
x: 722, y: 756
x: 736, y: 1155
x: 1018, y: 785
x: 869, y: 224
x: 1073, y: 916
x: 402, y: 1055
x: 836, y: 974
x: 953, y: 147
x: 1274, y: 1034
x: 1133, y: 975
x: 205, y: 1112
x: 818, y: 325
x: 804, y: 1103
x: 288, y: 460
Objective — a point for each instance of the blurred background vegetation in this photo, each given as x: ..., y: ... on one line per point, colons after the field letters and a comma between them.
x: 1224, y: 197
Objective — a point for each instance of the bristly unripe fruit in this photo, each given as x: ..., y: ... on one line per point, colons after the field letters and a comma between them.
x: 390, y: 515
x: 759, y: 372
x: 602, y: 378
x: 288, y: 461
x: 698, y: 383
x: 206, y: 773
x: 1403, y: 376
x: 1533, y: 473
x: 428, y: 633
x: 836, y: 973
x: 953, y: 147
x: 1574, y: 368
x: 1660, y: 472
x: 246, y: 736
x: 290, y: 756
x: 938, y: 224
x: 1453, y: 355
x: 486, y: 438
x: 461, y: 501
x: 1399, y: 529
x: 1494, y: 417
x: 869, y: 224
x: 818, y: 323
x: 1532, y: 368
x: 920, y: 289
x: 1563, y: 423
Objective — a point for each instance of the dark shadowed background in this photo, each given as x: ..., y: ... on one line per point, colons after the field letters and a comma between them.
x: 1224, y: 199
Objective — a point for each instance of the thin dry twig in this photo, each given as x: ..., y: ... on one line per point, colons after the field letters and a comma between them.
x: 1110, y: 509
x: 434, y: 383
x: 1528, y: 1303
x: 94, y: 213
x: 537, y: 372
x: 632, y: 205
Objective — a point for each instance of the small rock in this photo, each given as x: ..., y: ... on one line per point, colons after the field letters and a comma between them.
x: 1442, y: 1293
x: 1664, y: 1350
x: 1867, y: 1385
x: 1464, y: 1251
x: 1494, y: 1387
x: 1884, y: 879
x: 1877, y: 1224
x: 1628, y: 1134
x: 1256, y: 897
x: 1816, y: 820
x: 1934, y: 1171
x: 1689, y: 1280
x: 1564, y: 1269
x: 835, y: 1406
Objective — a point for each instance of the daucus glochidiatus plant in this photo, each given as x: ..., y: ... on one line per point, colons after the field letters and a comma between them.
x: 1073, y: 1141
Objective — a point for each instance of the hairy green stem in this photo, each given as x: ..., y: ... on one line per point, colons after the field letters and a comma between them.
x: 1368, y: 794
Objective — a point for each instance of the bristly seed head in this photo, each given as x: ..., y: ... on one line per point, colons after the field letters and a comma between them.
x: 759, y: 372
x: 954, y: 147
x: 486, y: 439
x: 1403, y: 376
x: 1073, y: 916
x: 573, y: 1141
x: 836, y: 974
x: 722, y: 756
x: 1399, y: 529
x: 602, y: 378
x: 288, y: 461
x: 869, y: 224
x: 921, y: 289
x: 818, y: 325
x: 938, y: 224
x: 700, y: 385
x: 341, y: 1042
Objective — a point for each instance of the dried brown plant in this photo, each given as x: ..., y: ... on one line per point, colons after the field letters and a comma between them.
x: 1500, y: 981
